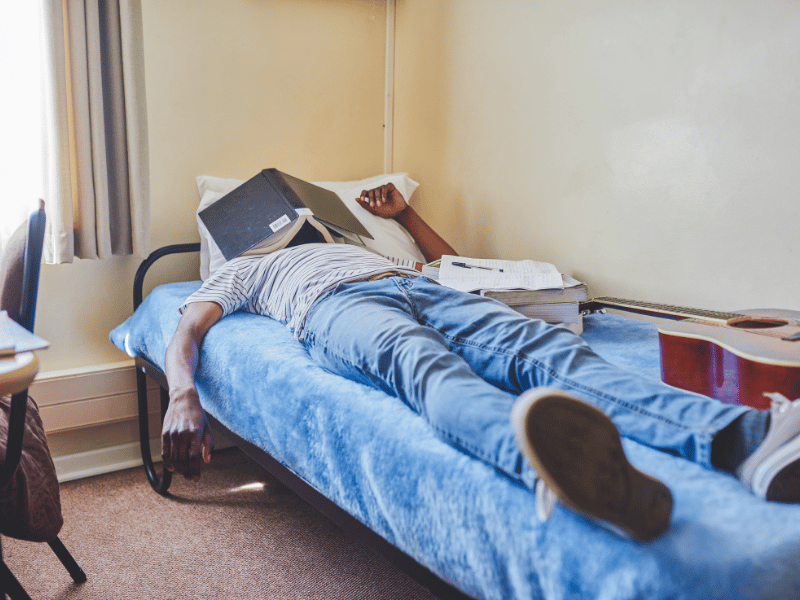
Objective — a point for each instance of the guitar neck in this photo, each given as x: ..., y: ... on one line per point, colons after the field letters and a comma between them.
x: 659, y: 310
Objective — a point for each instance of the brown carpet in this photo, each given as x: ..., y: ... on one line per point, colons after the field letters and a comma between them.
x: 215, y: 540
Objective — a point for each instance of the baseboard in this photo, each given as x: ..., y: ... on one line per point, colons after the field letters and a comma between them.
x: 90, y: 416
x: 79, y: 465
x: 80, y: 398
x: 102, y: 460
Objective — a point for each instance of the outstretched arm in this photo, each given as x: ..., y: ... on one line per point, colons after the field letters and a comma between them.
x: 185, y: 436
x: 386, y: 201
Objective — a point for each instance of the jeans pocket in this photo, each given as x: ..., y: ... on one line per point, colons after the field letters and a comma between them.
x: 315, y: 305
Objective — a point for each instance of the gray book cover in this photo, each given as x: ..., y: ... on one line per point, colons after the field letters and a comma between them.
x: 265, y: 206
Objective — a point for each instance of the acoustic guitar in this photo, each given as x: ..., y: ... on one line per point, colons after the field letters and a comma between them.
x: 735, y: 357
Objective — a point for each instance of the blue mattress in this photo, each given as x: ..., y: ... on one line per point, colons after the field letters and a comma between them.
x: 463, y: 520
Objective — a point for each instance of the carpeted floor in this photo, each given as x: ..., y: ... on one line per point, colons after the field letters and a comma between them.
x: 237, y: 534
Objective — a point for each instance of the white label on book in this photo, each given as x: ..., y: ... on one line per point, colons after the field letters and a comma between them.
x: 279, y: 223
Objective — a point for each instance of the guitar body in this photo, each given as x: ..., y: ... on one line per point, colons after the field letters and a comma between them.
x: 736, y: 360
x: 733, y: 357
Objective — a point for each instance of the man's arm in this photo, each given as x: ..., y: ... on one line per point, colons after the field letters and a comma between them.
x: 185, y: 436
x: 387, y: 202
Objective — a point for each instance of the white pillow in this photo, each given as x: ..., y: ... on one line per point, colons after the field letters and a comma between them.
x: 390, y: 238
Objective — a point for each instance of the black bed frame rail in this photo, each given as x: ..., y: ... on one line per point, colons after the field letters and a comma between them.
x: 144, y: 369
x: 340, y: 517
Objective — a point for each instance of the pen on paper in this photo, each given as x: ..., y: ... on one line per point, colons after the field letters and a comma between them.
x: 466, y: 266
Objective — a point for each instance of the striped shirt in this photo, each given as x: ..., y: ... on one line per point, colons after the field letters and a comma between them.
x: 284, y: 284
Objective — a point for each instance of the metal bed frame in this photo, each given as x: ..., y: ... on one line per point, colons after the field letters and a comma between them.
x: 341, y: 518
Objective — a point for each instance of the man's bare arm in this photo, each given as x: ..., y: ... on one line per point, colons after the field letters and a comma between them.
x: 387, y: 202
x: 431, y: 244
x: 185, y: 436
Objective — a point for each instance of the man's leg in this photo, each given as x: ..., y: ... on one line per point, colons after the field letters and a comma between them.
x: 367, y: 332
x: 517, y: 354
x: 761, y: 447
x: 403, y: 336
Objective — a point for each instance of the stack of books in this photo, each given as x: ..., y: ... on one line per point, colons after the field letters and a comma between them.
x: 553, y: 305
x: 535, y: 289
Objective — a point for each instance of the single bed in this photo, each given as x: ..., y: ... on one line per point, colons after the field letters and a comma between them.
x: 452, y: 522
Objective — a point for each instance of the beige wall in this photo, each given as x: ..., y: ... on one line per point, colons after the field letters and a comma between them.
x: 232, y: 87
x: 650, y: 148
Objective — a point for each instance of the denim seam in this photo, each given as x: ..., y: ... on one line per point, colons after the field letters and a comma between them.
x: 315, y: 340
x: 587, y: 390
x: 358, y: 368
x: 314, y: 306
x: 403, y: 285
x: 458, y: 442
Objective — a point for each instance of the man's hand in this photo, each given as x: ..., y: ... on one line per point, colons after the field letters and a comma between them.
x: 186, y: 436
x: 385, y: 201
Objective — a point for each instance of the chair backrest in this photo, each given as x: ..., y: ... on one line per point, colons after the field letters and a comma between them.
x: 19, y: 289
x: 19, y: 269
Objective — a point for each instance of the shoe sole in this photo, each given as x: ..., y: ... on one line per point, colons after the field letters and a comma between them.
x: 777, y: 479
x: 577, y: 451
x: 785, y: 486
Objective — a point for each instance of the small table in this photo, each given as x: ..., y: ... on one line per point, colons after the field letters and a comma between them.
x: 17, y: 372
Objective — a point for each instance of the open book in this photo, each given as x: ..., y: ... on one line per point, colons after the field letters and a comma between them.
x: 271, y: 210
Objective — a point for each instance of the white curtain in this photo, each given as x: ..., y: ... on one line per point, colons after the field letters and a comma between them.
x: 97, y: 190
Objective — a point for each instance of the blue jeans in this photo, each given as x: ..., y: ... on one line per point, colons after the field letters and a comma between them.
x: 461, y: 360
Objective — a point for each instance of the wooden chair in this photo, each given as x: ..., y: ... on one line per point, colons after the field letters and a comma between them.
x: 26, y: 443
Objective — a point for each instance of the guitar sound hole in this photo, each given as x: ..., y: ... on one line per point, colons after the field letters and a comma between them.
x: 756, y: 323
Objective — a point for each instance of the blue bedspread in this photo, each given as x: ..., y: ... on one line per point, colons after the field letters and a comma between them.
x: 466, y: 522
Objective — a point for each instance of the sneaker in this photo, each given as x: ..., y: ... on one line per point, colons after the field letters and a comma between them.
x: 576, y: 450
x: 773, y: 470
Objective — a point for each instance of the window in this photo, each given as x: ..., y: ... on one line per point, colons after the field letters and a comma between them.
x: 66, y: 68
x: 21, y: 113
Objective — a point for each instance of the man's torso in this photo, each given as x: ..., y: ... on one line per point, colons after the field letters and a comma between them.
x: 284, y: 284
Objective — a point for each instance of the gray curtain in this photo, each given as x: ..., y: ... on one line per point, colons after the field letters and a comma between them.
x: 96, y: 156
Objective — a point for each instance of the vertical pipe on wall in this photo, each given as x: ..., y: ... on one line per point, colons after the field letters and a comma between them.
x: 388, y: 118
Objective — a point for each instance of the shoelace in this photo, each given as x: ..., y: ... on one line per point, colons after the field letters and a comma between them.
x: 780, y: 403
x: 546, y: 500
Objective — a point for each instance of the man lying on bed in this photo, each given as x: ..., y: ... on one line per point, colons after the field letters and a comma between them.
x: 495, y: 384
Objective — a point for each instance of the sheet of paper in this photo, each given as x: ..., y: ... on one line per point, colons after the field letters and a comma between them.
x: 569, y: 281
x: 7, y: 347
x: 472, y: 274
x: 14, y: 338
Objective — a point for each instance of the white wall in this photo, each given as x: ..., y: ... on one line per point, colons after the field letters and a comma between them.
x: 232, y: 87
x: 649, y: 148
